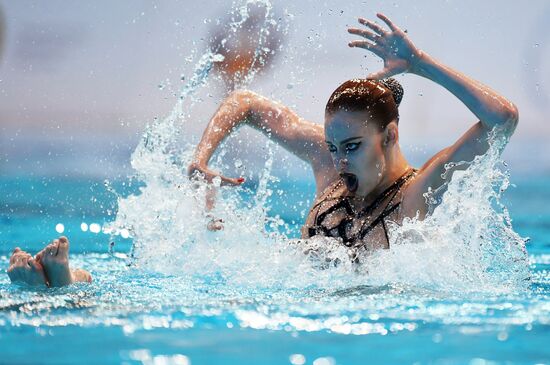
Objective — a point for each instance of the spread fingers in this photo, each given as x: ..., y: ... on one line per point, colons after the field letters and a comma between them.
x: 372, y: 25
x: 374, y: 48
x: 364, y: 33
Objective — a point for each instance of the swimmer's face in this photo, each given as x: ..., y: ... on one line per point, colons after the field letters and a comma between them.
x: 357, y: 149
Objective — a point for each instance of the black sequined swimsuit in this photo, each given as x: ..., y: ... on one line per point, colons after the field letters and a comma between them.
x: 352, y: 226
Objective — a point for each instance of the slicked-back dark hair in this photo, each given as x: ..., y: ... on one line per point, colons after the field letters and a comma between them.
x: 380, y: 99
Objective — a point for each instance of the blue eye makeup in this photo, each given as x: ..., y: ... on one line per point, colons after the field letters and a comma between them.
x: 352, y: 146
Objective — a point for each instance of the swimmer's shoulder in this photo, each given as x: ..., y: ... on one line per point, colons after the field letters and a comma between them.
x: 413, y: 201
x: 426, y: 178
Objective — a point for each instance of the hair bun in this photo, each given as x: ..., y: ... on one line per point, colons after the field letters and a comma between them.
x: 395, y: 88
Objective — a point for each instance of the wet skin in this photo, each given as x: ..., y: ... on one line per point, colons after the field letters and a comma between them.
x: 49, y: 267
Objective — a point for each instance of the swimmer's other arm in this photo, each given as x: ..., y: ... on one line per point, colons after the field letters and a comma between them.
x: 276, y: 121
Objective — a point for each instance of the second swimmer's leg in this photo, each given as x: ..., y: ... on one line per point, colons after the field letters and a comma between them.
x: 55, y: 259
x: 25, y: 269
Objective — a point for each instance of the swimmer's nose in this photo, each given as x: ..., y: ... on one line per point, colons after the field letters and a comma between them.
x: 342, y: 163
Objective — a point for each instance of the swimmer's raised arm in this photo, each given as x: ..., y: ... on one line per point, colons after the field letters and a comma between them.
x: 400, y: 55
x: 491, y: 109
x: 276, y: 121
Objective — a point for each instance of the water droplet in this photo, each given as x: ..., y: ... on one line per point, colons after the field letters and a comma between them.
x: 124, y: 233
x: 324, y: 361
x: 297, y: 359
x: 217, y: 181
x: 95, y: 228
x: 502, y: 336
x: 59, y: 228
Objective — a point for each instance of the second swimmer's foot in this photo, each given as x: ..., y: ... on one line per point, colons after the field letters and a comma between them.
x: 23, y: 268
x: 55, y: 260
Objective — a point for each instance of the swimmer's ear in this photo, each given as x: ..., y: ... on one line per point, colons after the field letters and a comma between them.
x: 390, y: 135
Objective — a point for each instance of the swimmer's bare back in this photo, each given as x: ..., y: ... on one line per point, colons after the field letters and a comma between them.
x: 306, y: 139
x: 49, y: 267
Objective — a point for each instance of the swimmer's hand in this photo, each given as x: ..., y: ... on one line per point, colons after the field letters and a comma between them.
x: 199, y: 171
x: 393, y: 46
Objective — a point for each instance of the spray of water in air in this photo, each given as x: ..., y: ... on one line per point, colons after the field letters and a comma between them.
x: 466, y: 244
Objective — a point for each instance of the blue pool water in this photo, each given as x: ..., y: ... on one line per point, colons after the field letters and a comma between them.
x: 133, y: 314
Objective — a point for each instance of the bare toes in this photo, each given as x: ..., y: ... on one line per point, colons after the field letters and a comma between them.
x: 63, y: 246
x: 12, y: 258
x: 16, y: 255
x: 40, y: 255
x: 17, y: 259
x: 35, y: 265
x: 50, y: 250
x: 55, y: 248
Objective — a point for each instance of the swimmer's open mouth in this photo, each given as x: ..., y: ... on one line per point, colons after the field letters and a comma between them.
x: 351, y: 181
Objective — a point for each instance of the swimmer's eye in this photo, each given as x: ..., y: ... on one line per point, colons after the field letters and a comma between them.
x: 352, y: 146
x: 331, y: 148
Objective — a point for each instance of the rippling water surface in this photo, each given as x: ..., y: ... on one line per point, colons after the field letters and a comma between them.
x: 225, y: 314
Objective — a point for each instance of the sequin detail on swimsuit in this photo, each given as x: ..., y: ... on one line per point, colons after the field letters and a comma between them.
x: 366, y: 224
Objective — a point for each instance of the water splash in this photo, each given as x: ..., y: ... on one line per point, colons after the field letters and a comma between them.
x: 167, y: 219
x: 466, y: 244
